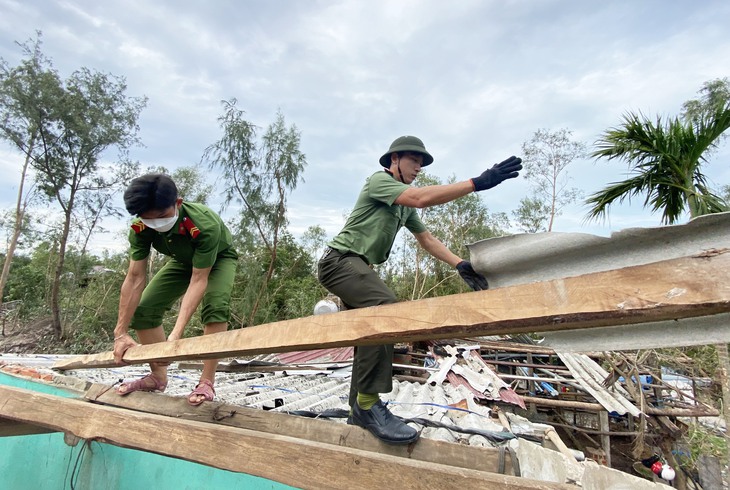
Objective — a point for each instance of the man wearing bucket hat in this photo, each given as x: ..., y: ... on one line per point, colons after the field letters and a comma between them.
x: 386, y: 203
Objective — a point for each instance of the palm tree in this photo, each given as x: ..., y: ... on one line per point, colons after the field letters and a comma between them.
x: 666, y: 160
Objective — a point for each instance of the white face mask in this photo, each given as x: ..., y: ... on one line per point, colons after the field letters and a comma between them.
x: 161, y: 224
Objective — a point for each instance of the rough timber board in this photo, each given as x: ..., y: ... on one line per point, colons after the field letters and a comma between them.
x: 292, y: 461
x: 441, y: 452
x: 688, y: 287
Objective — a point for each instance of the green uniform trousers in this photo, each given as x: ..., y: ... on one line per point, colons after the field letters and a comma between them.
x: 348, y: 276
x: 171, y: 282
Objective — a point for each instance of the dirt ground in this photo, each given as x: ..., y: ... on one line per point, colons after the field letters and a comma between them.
x: 26, y: 339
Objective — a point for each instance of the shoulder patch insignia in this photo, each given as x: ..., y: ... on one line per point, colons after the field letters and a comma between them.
x: 190, y: 227
x: 138, y: 226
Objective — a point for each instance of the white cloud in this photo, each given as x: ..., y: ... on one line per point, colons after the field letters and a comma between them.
x: 473, y: 78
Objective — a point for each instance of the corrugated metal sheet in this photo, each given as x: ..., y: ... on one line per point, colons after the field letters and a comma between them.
x: 589, y: 375
x: 526, y: 258
x: 447, y: 405
x: 337, y: 354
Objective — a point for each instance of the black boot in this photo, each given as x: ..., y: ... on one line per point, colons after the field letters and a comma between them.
x: 383, y: 424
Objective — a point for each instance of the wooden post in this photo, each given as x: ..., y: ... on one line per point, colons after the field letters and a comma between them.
x: 605, y: 439
x: 531, y: 386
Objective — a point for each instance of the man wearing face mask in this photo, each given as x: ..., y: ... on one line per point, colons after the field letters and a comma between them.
x: 386, y: 203
x: 201, y: 269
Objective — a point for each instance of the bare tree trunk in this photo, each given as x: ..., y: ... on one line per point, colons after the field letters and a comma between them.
x: 56, y: 288
x: 9, y: 255
x: 20, y: 207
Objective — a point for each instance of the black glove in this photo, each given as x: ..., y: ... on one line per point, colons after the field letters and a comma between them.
x: 475, y: 280
x: 500, y: 172
x: 650, y: 461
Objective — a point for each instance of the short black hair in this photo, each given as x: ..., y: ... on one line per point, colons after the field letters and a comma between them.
x: 150, y: 192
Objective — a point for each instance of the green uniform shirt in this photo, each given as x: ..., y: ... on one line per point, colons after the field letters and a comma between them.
x: 375, y: 221
x: 198, y: 238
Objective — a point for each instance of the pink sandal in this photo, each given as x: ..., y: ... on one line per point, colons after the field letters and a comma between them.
x: 141, y: 385
x: 204, y: 389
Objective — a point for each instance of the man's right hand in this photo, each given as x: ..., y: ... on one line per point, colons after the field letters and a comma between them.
x: 508, y: 169
x: 121, y: 344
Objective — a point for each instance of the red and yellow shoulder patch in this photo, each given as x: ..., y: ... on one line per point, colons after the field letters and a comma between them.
x: 190, y: 227
x: 138, y: 226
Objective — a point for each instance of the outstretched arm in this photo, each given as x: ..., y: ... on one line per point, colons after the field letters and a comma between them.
x: 423, y: 197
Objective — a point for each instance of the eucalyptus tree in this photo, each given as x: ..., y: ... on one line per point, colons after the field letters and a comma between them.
x: 313, y: 241
x: 532, y: 215
x: 714, y: 94
x: 545, y: 158
x: 64, y: 128
x: 258, y: 174
x: 28, y: 92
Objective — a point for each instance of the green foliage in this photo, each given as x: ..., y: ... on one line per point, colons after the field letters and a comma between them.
x: 700, y: 360
x: 30, y: 280
x: 259, y: 175
x: 190, y: 181
x: 532, y: 215
x: 77, y: 121
x: 702, y: 442
x: 665, y: 158
x: 291, y: 291
x: 714, y: 95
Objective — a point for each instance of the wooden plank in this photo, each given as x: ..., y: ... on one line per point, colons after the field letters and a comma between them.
x: 292, y: 461
x: 325, y: 431
x: 679, y: 288
x: 14, y: 428
x: 699, y: 411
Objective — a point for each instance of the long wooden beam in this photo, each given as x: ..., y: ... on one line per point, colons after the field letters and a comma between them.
x: 689, y: 287
x: 292, y: 461
x: 324, y: 431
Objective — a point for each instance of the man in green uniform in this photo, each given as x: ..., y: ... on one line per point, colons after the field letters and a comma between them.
x: 386, y: 203
x: 201, y: 269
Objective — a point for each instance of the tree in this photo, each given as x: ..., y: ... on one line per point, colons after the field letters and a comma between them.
x: 190, y: 181
x: 313, y: 241
x: 68, y: 127
x: 714, y: 95
x: 666, y: 159
x: 532, y: 215
x: 191, y: 184
x: 27, y: 92
x: 545, y: 158
x: 260, y: 176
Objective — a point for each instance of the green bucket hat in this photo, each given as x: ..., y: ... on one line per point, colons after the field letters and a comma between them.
x: 407, y: 143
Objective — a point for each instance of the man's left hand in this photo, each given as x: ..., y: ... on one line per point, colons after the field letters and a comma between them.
x: 475, y: 280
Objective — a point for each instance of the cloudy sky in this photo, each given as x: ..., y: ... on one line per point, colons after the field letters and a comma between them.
x: 473, y: 79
